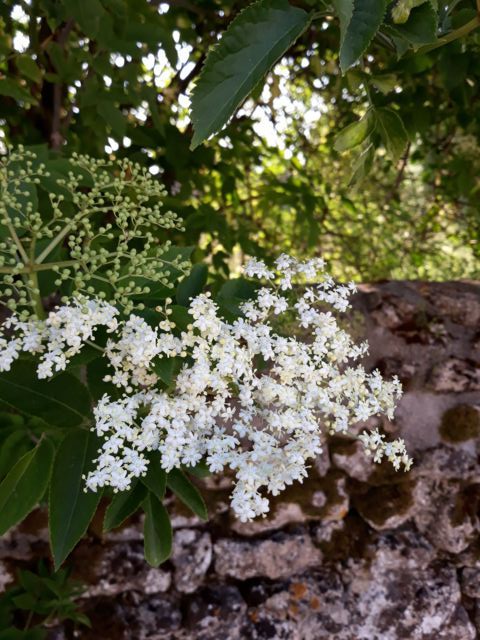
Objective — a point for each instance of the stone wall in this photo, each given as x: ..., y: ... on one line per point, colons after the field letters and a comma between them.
x: 355, y: 553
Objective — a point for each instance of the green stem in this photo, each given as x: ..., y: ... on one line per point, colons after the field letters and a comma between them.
x: 95, y: 346
x: 16, y: 239
x: 461, y: 32
x: 35, y: 296
x: 41, y: 267
x: 55, y: 242
x: 28, y: 621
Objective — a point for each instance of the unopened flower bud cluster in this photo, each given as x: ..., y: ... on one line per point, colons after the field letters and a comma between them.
x: 99, y: 233
x: 246, y: 398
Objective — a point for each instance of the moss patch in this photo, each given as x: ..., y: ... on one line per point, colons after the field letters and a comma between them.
x: 460, y: 423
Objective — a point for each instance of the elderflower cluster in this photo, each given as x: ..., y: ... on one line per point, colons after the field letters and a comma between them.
x: 395, y: 451
x: 246, y: 397
x: 58, y: 338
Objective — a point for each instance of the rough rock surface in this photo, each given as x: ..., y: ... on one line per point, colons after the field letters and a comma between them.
x: 357, y: 552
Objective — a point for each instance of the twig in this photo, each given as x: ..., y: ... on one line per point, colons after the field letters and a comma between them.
x: 461, y: 32
x: 401, y: 172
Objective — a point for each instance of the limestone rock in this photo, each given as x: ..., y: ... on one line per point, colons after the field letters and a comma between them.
x: 281, y: 514
x: 351, y: 458
x: 367, y: 603
x: 445, y: 514
x: 191, y: 557
x: 282, y: 555
x: 460, y: 306
x: 119, y: 568
x: 455, y: 375
x: 133, y: 616
x: 322, y: 462
x: 470, y: 582
x: 6, y: 575
x: 215, y: 612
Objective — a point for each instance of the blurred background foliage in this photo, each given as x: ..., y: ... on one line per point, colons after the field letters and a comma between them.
x: 114, y: 76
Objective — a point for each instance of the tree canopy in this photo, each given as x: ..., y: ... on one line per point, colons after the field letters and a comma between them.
x: 351, y: 128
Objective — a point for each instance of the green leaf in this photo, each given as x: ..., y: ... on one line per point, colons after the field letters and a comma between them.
x: 88, y: 13
x: 420, y: 28
x: 362, y: 165
x: 25, y: 484
x: 14, y: 90
x: 153, y: 34
x: 386, y: 82
x: 15, y: 445
x: 192, y: 284
x: 355, y: 133
x: 233, y: 293
x: 71, y: 507
x: 393, y: 131
x: 180, y: 316
x: 113, y: 117
x: 96, y: 371
x: 62, y: 401
x: 166, y: 368
x: 28, y: 67
x: 237, y: 289
x: 157, y: 532
x: 367, y: 16
x: 253, y: 42
x: 344, y: 10
x: 401, y: 11
x: 187, y: 493
x: 123, y: 505
x: 155, y: 479
x: 200, y: 470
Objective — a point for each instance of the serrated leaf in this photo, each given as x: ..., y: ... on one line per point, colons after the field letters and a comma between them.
x: 344, y: 10
x: 355, y: 133
x: 392, y: 130
x: 157, y: 531
x: 367, y: 16
x: 62, y: 401
x: 71, y: 508
x: 362, y: 165
x: 123, y: 505
x: 25, y: 484
x: 253, y: 42
x: 187, y: 493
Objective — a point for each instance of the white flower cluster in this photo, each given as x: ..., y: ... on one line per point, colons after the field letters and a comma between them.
x: 246, y: 398
x: 395, y: 451
x: 58, y: 338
